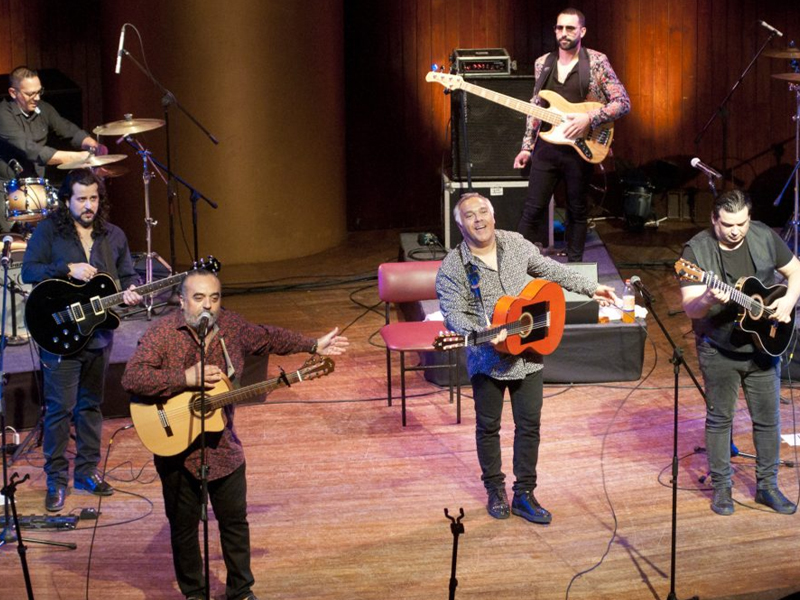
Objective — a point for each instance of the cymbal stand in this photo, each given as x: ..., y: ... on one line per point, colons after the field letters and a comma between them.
x: 149, y: 222
x: 795, y: 174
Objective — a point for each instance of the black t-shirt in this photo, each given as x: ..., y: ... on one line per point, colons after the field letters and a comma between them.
x: 570, y: 90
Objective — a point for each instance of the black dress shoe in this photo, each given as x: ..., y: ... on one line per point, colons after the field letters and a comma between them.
x: 498, y: 504
x: 776, y: 501
x: 721, y: 501
x: 525, y: 505
x: 93, y: 485
x: 54, y: 500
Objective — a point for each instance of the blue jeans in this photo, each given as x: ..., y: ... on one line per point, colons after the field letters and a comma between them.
x: 526, y: 406
x: 73, y: 391
x: 182, y: 503
x: 757, y: 374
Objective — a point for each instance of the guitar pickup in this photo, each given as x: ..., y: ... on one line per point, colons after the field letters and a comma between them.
x: 77, y: 312
x: 97, y: 305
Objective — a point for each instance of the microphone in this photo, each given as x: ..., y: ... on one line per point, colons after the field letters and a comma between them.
x: 14, y: 164
x: 701, y: 166
x: 203, y: 323
x: 6, y: 256
x: 643, y: 291
x: 770, y: 28
x: 118, y: 68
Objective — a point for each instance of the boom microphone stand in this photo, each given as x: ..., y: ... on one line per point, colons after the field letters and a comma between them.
x: 201, y: 334
x: 677, y: 361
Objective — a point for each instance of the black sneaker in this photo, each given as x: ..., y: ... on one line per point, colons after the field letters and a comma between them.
x: 721, y: 501
x: 525, y: 505
x: 498, y: 504
x: 776, y: 501
x: 54, y: 500
x: 93, y: 485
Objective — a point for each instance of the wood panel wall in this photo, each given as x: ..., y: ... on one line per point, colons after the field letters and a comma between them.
x: 677, y: 58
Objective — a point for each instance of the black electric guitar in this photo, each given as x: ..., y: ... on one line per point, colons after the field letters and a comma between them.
x: 754, y: 298
x: 593, y: 148
x: 61, y: 316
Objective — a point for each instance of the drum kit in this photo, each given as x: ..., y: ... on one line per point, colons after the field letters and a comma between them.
x: 793, y: 54
x: 31, y: 199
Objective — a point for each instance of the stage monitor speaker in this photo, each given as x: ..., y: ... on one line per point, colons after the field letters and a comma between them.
x: 582, y: 310
x: 493, y: 131
x: 507, y: 198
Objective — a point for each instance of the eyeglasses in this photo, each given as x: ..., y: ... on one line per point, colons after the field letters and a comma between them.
x: 32, y: 95
x: 568, y: 28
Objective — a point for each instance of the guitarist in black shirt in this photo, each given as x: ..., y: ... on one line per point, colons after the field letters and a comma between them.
x: 736, y: 247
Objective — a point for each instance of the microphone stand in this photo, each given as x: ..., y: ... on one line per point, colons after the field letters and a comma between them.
x: 722, y: 111
x: 204, y: 463
x: 168, y: 99
x: 677, y: 361
x: 456, y: 528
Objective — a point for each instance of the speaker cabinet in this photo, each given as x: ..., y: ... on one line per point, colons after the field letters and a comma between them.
x: 493, y: 131
x: 507, y: 198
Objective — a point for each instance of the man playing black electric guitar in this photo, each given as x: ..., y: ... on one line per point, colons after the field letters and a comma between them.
x: 76, y: 241
x: 736, y: 247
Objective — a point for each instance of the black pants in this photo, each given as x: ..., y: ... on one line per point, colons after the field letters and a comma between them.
x: 228, y: 496
x: 551, y: 163
x: 526, y: 406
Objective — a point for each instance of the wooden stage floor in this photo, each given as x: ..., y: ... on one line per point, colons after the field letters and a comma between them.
x: 345, y: 503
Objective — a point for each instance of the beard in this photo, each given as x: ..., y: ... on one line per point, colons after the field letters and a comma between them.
x: 567, y: 44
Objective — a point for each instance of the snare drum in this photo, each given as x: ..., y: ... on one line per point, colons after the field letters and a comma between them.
x: 30, y: 199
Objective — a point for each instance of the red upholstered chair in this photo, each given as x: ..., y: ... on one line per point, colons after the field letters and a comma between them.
x: 411, y: 282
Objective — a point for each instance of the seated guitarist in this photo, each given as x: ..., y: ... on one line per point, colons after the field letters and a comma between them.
x: 578, y: 75
x: 166, y: 363
x: 487, y: 265
x: 75, y: 242
x: 732, y: 248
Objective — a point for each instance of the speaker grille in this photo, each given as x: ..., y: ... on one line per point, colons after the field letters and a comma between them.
x: 494, y: 132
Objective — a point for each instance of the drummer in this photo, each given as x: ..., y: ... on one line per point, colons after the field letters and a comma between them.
x: 25, y: 123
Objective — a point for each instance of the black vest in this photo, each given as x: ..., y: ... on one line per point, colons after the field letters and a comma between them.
x: 719, y: 324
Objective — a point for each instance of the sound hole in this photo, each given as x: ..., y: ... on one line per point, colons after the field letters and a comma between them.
x: 534, y: 319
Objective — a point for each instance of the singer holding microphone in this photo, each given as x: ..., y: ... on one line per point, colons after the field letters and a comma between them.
x: 26, y: 121
x: 730, y: 360
x: 166, y: 363
x: 75, y: 242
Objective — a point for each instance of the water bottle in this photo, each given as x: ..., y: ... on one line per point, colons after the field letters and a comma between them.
x: 628, y: 303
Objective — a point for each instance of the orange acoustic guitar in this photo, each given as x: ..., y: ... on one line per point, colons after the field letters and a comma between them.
x: 534, y: 321
x: 593, y: 148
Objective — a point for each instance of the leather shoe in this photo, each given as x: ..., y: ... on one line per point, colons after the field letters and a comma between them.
x: 525, y: 505
x: 775, y: 499
x: 54, y: 500
x: 93, y: 485
x: 498, y: 504
x: 722, y: 502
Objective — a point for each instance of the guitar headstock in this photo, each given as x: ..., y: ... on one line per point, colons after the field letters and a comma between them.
x: 449, y: 341
x: 688, y: 271
x: 316, y: 366
x: 451, y: 82
x: 208, y: 264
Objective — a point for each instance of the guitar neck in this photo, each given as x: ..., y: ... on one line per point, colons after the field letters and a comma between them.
x: 487, y: 335
x: 739, y: 297
x: 143, y: 290
x: 543, y: 114
x: 251, y: 391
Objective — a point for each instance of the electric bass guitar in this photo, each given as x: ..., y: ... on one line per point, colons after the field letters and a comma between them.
x: 754, y: 298
x: 169, y: 427
x: 534, y: 321
x: 61, y: 315
x: 593, y: 148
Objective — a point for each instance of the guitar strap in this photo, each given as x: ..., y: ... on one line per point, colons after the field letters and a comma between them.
x: 108, y: 260
x: 474, y: 279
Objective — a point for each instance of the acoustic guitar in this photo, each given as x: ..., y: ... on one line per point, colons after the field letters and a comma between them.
x: 593, y: 148
x: 169, y: 427
x: 61, y: 315
x: 755, y: 317
x: 534, y: 321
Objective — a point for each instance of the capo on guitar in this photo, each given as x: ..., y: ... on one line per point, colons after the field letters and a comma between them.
x: 284, y: 378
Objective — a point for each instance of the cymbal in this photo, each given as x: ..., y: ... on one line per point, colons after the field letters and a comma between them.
x: 793, y: 77
x: 107, y: 172
x: 792, y: 53
x: 128, y: 126
x: 93, y: 161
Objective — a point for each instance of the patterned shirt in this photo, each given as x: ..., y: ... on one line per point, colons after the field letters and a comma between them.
x: 463, y: 310
x: 604, y: 86
x: 157, y: 370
